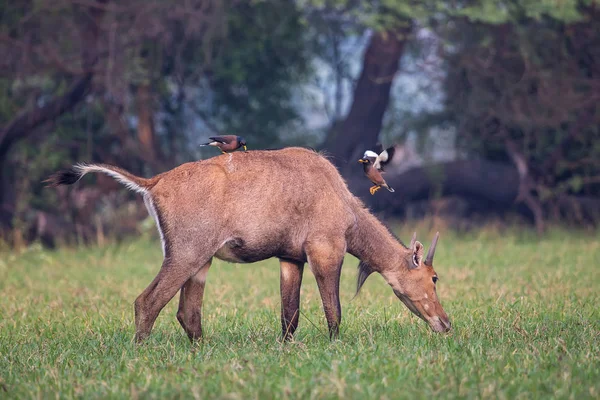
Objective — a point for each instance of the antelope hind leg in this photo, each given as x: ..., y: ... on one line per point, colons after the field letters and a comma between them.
x: 290, y: 282
x: 189, y: 313
x: 171, y: 277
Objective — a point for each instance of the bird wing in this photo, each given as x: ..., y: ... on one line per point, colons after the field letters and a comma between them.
x: 378, y: 148
x: 385, y: 157
x: 220, y: 139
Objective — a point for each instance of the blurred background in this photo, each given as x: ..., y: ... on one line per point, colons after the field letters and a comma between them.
x: 493, y: 105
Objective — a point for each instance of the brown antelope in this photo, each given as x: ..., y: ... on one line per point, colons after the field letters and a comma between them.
x: 245, y: 207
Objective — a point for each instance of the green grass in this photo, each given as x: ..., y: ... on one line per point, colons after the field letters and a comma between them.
x: 525, y: 314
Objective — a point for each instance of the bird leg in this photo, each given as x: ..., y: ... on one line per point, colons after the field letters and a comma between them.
x: 373, y: 189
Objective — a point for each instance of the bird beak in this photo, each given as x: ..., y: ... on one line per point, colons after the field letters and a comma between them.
x: 245, y: 148
x: 362, y: 161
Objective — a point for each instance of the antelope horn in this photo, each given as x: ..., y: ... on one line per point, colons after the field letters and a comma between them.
x: 413, y: 240
x: 431, y: 252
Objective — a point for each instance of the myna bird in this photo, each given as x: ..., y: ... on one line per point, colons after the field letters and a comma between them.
x: 227, y: 143
x: 368, y: 162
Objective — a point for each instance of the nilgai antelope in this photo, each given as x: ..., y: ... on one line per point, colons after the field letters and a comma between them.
x: 249, y: 206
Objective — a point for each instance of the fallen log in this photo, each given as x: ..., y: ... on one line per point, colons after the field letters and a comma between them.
x: 485, y: 185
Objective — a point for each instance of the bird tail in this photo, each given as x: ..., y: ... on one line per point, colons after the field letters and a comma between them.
x: 391, y: 189
x: 76, y: 172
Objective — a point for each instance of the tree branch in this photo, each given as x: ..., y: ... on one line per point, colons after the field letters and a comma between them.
x: 27, y: 120
x: 526, y: 185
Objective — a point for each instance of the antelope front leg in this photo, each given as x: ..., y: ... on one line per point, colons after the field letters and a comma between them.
x: 189, y: 313
x: 329, y: 287
x: 326, y: 263
x: 290, y: 282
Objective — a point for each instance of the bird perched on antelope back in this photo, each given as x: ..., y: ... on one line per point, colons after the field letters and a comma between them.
x: 368, y: 161
x: 227, y: 143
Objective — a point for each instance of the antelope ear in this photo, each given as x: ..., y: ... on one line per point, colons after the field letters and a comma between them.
x: 417, y: 254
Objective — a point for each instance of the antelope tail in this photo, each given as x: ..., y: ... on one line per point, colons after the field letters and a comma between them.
x: 76, y: 172
x: 137, y: 184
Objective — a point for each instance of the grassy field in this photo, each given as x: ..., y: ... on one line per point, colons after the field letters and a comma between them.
x: 525, y: 312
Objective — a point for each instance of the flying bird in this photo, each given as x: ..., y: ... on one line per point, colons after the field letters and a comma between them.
x: 374, y: 175
x: 227, y: 143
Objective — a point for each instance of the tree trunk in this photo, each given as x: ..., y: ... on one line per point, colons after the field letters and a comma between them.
x: 526, y: 185
x: 359, y: 131
x: 145, y: 127
x: 491, y: 182
x: 28, y: 120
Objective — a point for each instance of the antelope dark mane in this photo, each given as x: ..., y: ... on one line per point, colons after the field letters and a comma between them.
x: 364, y: 270
x: 394, y: 234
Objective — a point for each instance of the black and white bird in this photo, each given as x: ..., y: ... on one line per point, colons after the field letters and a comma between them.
x: 374, y: 164
x: 373, y: 173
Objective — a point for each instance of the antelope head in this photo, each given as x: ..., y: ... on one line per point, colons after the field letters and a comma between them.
x: 414, y: 283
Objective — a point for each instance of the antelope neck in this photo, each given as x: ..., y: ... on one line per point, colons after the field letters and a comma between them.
x: 373, y: 244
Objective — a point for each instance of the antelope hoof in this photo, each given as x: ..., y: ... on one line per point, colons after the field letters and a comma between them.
x: 140, y: 337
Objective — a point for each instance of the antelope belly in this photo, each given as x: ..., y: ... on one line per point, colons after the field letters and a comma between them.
x: 239, y: 251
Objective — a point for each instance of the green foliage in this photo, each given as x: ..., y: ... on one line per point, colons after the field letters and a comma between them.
x: 525, y: 318
x: 383, y: 14
x: 378, y: 15
x: 7, y: 105
x: 500, y: 12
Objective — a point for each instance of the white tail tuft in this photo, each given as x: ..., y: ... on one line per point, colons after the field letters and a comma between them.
x: 83, y: 169
x: 152, y: 211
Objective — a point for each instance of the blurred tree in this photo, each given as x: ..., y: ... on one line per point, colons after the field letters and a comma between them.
x: 140, y: 75
x: 40, y: 85
x: 392, y: 25
x: 263, y: 58
x: 521, y: 88
x: 141, y: 83
x: 360, y: 129
x: 526, y: 92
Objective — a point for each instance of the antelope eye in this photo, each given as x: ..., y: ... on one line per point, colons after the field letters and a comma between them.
x: 435, y: 279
